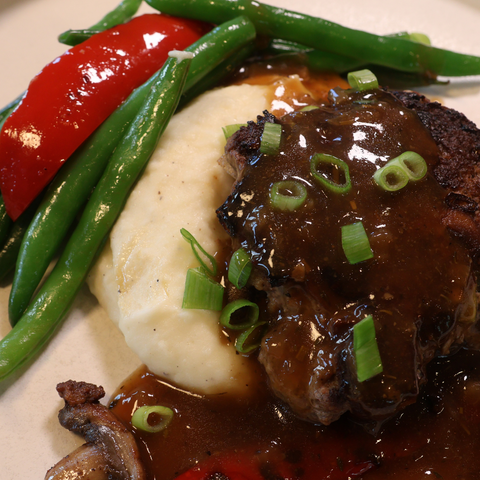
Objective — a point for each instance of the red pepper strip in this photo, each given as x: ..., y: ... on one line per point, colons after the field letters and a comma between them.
x: 234, y: 466
x: 75, y: 93
x: 333, y: 462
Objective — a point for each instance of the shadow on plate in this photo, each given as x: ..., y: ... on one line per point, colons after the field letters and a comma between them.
x: 6, y: 4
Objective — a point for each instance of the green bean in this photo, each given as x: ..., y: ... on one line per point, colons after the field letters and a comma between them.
x: 217, y: 75
x: 5, y: 220
x: 127, y: 162
x: 73, y: 184
x: 8, y: 109
x: 324, y: 35
x: 5, y: 223
x: 122, y: 13
x: 331, y: 62
x: 313, y: 58
x: 13, y: 240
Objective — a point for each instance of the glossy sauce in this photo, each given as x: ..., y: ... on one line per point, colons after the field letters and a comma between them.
x: 437, y: 438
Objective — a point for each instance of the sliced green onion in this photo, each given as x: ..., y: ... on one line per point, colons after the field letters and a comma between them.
x: 239, y: 268
x: 288, y: 195
x: 201, y: 292
x: 355, y: 243
x: 200, y: 253
x: 391, y: 177
x: 362, y: 80
x: 249, y: 340
x: 309, y: 108
x: 239, y: 314
x: 272, y: 135
x: 414, y: 165
x: 365, y: 348
x: 331, y: 172
x: 229, y: 130
x: 396, y: 173
x: 419, y: 38
x: 152, y: 419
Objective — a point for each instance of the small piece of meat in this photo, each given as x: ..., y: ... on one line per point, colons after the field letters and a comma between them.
x: 110, y: 452
x: 247, y: 140
x: 77, y: 393
x: 419, y: 287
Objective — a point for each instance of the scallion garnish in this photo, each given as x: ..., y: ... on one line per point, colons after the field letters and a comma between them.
x: 396, y: 173
x: 239, y: 268
x: 355, y: 243
x: 271, y: 137
x: 391, y: 177
x: 419, y: 38
x: 240, y: 314
x: 365, y: 348
x: 249, y: 340
x: 362, y: 80
x: 287, y: 195
x: 200, y: 253
x: 201, y: 292
x: 309, y: 108
x: 152, y: 419
x: 229, y: 130
x: 331, y: 172
x: 414, y: 165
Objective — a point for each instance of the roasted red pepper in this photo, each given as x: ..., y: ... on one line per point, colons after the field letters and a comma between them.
x: 245, y: 465
x: 72, y: 95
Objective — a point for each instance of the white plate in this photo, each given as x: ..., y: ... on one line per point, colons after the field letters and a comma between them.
x: 88, y: 346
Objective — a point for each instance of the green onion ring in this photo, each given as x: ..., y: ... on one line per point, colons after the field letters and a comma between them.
x: 249, y: 340
x: 229, y: 130
x: 201, y: 292
x: 309, y: 108
x: 391, y: 177
x: 288, y: 195
x: 355, y: 243
x: 337, y: 163
x: 362, y: 80
x: 140, y: 418
x: 414, y: 165
x: 249, y: 318
x: 197, y: 250
x: 239, y: 268
x: 271, y: 138
x: 365, y: 348
x: 396, y: 173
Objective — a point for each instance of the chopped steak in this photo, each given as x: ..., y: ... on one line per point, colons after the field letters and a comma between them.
x: 419, y: 286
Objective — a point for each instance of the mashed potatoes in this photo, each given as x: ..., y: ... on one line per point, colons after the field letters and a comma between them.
x: 140, y: 276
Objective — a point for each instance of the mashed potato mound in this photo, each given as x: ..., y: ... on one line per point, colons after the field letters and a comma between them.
x: 140, y: 277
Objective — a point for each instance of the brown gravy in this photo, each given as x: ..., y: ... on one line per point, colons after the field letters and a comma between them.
x: 257, y: 435
x: 437, y: 438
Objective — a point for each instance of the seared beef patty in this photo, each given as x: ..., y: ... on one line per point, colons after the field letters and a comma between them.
x: 419, y: 286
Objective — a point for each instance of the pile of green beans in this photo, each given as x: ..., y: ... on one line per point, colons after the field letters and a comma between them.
x: 70, y: 189
x: 99, y: 176
x: 274, y: 22
x: 118, y: 166
x: 105, y: 204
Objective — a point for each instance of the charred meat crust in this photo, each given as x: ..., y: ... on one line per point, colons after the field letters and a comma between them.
x: 458, y: 140
x: 78, y: 393
x: 244, y: 145
x: 458, y: 168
